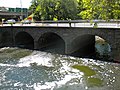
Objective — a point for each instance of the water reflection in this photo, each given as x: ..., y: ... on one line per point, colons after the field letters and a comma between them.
x: 23, y: 69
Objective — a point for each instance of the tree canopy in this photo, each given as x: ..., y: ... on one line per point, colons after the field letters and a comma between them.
x: 100, y: 9
x: 75, y: 9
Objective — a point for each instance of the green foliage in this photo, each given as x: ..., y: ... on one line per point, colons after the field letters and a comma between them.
x: 75, y: 9
x: 100, y: 9
x: 54, y: 9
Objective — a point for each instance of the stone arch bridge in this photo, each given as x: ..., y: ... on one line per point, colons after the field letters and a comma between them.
x: 65, y: 40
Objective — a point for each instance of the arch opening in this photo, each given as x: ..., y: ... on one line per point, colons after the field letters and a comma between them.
x: 103, y: 48
x: 51, y: 42
x: 90, y: 46
x: 24, y: 40
x: 83, y: 46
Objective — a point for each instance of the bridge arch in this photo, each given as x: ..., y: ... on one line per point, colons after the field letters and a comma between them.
x: 51, y: 42
x: 82, y: 45
x: 88, y: 45
x: 102, y: 46
x: 105, y: 37
x: 24, y: 40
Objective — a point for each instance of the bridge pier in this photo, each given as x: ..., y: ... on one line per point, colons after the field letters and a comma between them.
x: 35, y: 44
x: 67, y: 47
x: 116, y: 54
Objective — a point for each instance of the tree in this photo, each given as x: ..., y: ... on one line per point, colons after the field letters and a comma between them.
x: 67, y: 9
x: 100, y: 9
x: 50, y: 9
x: 75, y: 9
x: 115, y: 9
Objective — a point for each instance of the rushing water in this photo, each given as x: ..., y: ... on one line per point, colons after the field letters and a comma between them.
x: 22, y: 69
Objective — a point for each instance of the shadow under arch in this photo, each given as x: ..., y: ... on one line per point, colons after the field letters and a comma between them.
x: 24, y: 40
x: 51, y: 42
x: 83, y: 46
x: 90, y: 46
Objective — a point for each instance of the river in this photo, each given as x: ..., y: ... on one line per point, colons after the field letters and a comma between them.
x: 23, y: 69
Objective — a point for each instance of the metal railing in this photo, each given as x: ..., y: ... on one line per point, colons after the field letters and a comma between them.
x: 80, y: 23
x: 71, y: 23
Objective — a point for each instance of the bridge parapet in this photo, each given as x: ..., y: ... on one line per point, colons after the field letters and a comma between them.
x: 73, y: 23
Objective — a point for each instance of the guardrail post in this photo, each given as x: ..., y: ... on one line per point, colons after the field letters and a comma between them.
x: 69, y: 23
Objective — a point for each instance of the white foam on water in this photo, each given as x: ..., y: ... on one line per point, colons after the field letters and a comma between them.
x: 8, y: 65
x: 4, y: 48
x: 43, y: 59
x: 76, y: 74
x: 55, y: 84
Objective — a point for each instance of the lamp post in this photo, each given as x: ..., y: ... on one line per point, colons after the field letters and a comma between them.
x: 21, y: 17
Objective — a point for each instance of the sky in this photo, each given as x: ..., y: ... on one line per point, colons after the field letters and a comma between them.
x: 15, y: 3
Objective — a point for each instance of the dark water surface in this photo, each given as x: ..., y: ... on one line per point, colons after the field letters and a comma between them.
x: 23, y: 69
